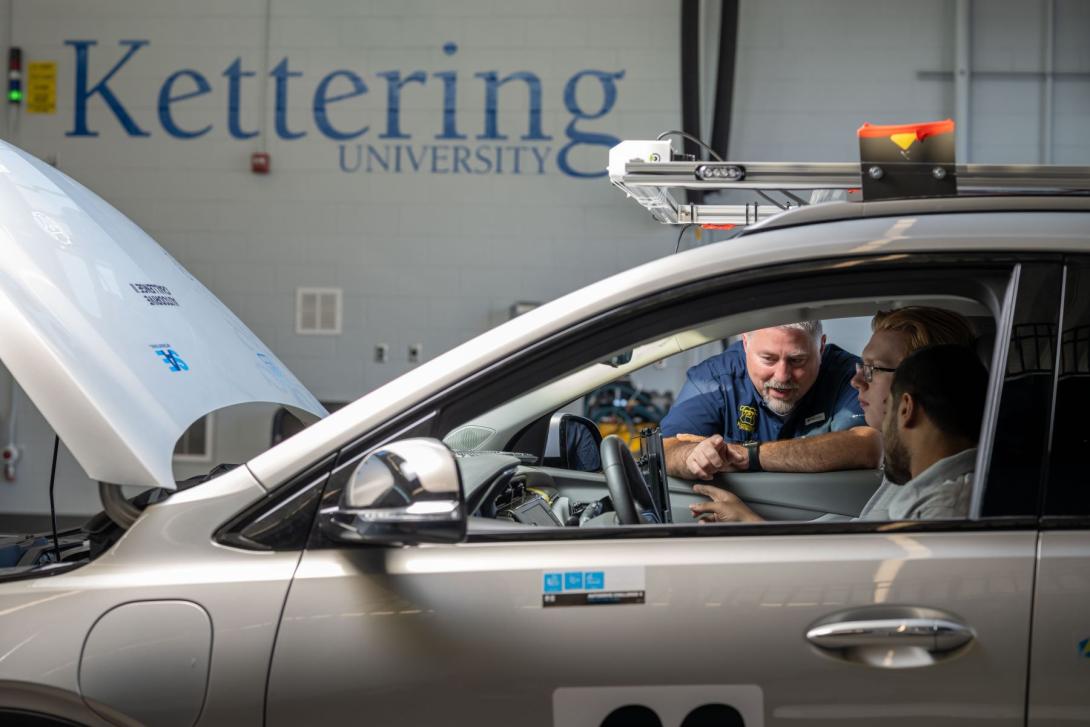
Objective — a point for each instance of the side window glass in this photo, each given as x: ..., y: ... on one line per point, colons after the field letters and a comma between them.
x: 796, y: 413
x: 1021, y: 432
x: 1069, y: 481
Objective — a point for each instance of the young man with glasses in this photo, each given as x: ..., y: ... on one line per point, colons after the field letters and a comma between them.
x: 894, y: 335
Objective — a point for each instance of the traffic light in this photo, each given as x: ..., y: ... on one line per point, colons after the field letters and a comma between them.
x: 15, y: 75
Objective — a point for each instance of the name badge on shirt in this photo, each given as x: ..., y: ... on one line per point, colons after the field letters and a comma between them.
x: 747, y: 418
x: 814, y: 419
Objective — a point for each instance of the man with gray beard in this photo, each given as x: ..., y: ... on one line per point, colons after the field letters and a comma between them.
x: 776, y: 384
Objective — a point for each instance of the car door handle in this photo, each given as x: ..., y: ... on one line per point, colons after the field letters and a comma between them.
x: 931, y: 634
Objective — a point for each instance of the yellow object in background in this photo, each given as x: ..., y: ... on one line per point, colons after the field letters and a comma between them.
x: 627, y: 433
x: 41, y: 87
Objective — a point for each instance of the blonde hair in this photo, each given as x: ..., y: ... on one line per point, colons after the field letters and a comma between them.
x: 925, y: 326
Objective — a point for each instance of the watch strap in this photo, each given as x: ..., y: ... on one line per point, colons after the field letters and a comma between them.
x: 754, y: 449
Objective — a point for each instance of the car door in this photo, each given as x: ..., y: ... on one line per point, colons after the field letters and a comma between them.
x: 1060, y: 656
x: 774, y: 624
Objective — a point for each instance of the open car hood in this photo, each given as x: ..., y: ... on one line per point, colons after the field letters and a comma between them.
x: 119, y: 347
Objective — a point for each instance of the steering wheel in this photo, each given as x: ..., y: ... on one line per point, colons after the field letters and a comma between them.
x: 625, y: 482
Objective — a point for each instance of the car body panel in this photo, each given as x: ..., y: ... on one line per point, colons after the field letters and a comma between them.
x: 118, y: 346
x: 167, y: 555
x: 149, y: 659
x: 429, y: 635
x: 1060, y: 660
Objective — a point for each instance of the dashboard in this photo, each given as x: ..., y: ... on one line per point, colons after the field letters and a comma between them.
x: 502, y: 487
x: 500, y: 490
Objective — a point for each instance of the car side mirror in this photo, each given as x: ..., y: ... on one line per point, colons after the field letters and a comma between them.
x: 405, y: 492
x: 573, y: 443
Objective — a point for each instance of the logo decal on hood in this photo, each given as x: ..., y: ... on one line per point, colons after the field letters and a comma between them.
x: 170, y: 357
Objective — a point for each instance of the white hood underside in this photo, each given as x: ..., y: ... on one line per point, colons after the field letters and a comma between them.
x: 118, y: 346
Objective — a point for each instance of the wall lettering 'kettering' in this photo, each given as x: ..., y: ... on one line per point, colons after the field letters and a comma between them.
x: 455, y: 154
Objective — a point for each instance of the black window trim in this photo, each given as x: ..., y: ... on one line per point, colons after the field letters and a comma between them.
x: 997, y: 369
x: 1051, y: 521
x: 1057, y: 370
x: 1065, y: 522
x: 1022, y: 294
x: 230, y: 533
x: 722, y: 530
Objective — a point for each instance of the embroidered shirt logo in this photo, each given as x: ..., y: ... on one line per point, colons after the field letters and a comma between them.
x: 820, y: 417
x: 747, y: 418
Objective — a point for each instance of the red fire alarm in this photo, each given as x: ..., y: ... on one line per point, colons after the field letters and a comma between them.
x: 259, y: 162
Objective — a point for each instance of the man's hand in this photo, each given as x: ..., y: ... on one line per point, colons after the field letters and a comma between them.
x: 711, y: 455
x: 725, y: 507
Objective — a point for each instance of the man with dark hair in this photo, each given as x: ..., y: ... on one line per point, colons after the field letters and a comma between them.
x: 929, y: 434
x: 930, y: 431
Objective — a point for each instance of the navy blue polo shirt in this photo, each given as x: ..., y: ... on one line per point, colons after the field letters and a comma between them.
x: 719, y: 398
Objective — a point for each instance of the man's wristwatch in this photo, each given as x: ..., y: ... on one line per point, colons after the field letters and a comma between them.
x: 754, y: 449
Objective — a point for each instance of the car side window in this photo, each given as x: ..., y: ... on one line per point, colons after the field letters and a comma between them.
x: 1068, y: 479
x: 792, y: 495
x: 1019, y: 445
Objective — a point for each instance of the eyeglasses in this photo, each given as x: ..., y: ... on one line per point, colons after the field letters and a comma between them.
x: 868, y: 370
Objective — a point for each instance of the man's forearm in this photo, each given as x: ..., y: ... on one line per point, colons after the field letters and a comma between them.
x: 676, y: 452
x: 853, y: 449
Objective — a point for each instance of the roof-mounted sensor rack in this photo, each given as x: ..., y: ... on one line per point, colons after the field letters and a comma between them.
x: 897, y: 162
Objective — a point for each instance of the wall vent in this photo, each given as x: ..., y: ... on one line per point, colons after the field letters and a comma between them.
x: 318, y: 311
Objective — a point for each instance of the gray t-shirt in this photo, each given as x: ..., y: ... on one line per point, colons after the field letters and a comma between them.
x: 942, y: 491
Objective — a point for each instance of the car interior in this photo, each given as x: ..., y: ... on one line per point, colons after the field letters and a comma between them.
x: 515, y: 473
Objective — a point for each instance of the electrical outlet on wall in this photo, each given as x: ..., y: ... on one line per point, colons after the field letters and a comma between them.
x: 382, y: 353
x: 416, y: 352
